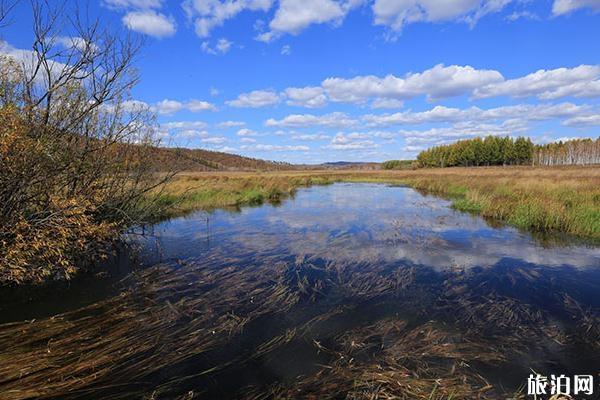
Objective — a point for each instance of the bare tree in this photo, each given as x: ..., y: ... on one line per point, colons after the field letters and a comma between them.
x: 73, y: 142
x: 5, y: 8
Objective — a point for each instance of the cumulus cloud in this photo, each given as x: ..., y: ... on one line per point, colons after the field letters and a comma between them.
x: 311, y: 138
x: 150, y: 23
x: 246, y: 132
x: 435, y: 83
x: 583, y: 120
x: 209, y: 14
x: 396, y: 14
x: 199, y: 105
x: 139, y: 4
x: 214, y: 140
x: 333, y: 120
x: 442, y: 114
x: 561, y: 7
x: 169, y: 107
x: 309, y: 97
x: 75, y: 42
x: 387, y: 103
x: 438, y: 82
x: 293, y: 16
x: 462, y: 130
x: 221, y: 47
x: 581, y: 81
x: 230, y: 124
x: 274, y: 147
x: 352, y: 141
x: 184, y: 125
x: 255, y: 99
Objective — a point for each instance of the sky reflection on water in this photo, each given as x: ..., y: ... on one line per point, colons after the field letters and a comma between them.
x: 360, y: 223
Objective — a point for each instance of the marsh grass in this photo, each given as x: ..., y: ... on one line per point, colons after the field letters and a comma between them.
x: 199, y: 329
x: 545, y: 200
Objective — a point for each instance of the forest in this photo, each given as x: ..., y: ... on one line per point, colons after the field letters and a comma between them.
x: 494, y: 150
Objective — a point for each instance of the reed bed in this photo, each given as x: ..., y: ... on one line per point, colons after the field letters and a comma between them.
x: 235, y: 327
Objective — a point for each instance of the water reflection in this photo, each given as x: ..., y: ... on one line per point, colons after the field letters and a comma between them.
x: 346, y: 291
x: 361, y: 223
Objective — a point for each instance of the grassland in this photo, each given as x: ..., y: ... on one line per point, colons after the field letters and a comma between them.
x: 536, y: 199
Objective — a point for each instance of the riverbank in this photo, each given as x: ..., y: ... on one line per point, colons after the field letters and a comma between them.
x: 536, y: 199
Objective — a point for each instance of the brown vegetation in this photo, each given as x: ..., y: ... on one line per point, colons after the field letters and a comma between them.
x: 181, y: 159
x: 74, y: 162
x: 193, y: 329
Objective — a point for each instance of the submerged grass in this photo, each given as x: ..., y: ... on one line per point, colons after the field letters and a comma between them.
x: 200, y: 329
x: 537, y: 199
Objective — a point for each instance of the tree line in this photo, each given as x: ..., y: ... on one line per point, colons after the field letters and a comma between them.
x: 571, y: 152
x: 494, y: 150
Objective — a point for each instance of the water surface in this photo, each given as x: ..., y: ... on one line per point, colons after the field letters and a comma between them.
x: 327, y: 293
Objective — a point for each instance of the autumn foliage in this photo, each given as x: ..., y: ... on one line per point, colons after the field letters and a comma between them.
x: 74, y: 162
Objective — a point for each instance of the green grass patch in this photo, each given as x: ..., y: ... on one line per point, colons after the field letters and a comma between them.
x: 467, y: 205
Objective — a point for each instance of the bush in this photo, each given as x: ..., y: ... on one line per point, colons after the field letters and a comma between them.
x: 74, y: 159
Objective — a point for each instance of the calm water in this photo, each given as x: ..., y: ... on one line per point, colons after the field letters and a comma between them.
x: 328, y: 266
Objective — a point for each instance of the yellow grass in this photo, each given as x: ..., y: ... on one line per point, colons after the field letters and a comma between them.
x: 538, y: 199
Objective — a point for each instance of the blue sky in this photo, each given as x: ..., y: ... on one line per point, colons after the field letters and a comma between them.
x: 327, y: 80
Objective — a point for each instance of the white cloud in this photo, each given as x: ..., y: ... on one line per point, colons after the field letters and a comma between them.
x: 583, y: 120
x: 581, y: 81
x: 442, y: 114
x: 75, y: 42
x: 273, y: 147
x: 223, y: 46
x: 214, y: 140
x: 199, y: 105
x: 517, y: 15
x: 255, y: 99
x: 311, y: 138
x: 133, y: 106
x: 246, y: 132
x: 184, y: 125
x: 230, y: 124
x: 169, y: 107
x: 396, y: 14
x: 247, y: 140
x: 309, y: 97
x: 333, y: 120
x: 561, y: 7
x: 387, y: 103
x: 437, y: 82
x: 293, y: 16
x: 436, y: 136
x: 352, y: 141
x: 209, y: 14
x: 286, y: 50
x: 138, y: 4
x: 150, y: 23
x: 189, y: 134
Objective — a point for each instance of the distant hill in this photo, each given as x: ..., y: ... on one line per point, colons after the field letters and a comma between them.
x: 343, y: 165
x: 183, y: 159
